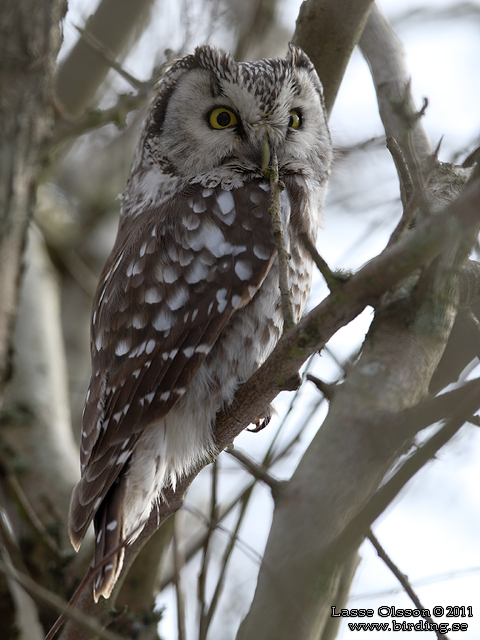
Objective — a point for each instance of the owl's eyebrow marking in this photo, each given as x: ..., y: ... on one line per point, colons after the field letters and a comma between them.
x: 215, y: 88
x: 296, y: 88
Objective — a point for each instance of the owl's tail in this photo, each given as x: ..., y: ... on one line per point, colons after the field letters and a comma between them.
x: 109, y: 540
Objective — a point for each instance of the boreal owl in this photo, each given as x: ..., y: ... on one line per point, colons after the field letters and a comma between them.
x: 188, y: 304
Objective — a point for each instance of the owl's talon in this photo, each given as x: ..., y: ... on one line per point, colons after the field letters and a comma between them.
x: 260, y: 423
x: 263, y: 419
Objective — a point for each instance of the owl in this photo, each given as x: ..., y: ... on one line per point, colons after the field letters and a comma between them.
x: 188, y: 304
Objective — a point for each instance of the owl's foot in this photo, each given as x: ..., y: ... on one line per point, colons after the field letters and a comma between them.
x: 263, y: 419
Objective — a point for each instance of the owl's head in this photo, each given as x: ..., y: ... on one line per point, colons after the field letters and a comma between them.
x: 213, y: 116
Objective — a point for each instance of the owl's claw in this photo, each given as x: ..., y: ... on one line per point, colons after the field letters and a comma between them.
x: 263, y: 420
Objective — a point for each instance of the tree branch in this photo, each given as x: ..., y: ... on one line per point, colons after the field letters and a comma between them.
x: 39, y: 592
x: 328, y: 32
x: 83, y: 71
x: 402, y: 578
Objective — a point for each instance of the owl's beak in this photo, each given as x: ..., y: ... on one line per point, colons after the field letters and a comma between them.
x: 265, y: 153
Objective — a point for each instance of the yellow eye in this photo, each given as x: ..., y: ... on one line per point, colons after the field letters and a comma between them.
x: 222, y: 118
x: 295, y: 119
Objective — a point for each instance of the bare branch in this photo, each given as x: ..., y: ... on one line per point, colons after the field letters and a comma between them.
x: 179, y: 562
x: 83, y: 71
x: 107, y: 57
x: 26, y: 78
x: 328, y: 32
x: 327, y: 390
x: 283, y: 256
x: 68, y: 129
x: 402, y: 578
x: 258, y: 472
x: 332, y: 279
x: 205, y: 612
x: 386, y: 58
x: 39, y: 592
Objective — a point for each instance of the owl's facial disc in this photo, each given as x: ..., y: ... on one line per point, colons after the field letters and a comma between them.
x: 221, y: 123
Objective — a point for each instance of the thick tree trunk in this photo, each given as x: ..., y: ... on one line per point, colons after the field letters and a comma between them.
x: 29, y: 43
x: 328, y: 32
x: 30, y: 38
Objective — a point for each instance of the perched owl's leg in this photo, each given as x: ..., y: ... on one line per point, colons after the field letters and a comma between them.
x: 109, y: 535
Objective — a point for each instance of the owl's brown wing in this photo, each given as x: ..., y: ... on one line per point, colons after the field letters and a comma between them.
x: 168, y: 289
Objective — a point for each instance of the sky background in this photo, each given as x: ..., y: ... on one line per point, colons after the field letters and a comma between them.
x: 432, y: 530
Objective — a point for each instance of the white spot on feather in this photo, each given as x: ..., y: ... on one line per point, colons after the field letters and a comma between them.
x: 222, y: 300
x: 163, y: 321
x: 150, y: 346
x: 139, y: 321
x: 243, y: 269
x: 134, y: 268
x: 178, y: 298
x: 152, y: 296
x: 225, y: 201
x: 122, y: 347
x: 199, y: 206
x: 191, y: 222
x: 99, y: 343
x: 167, y: 273
x: 260, y: 252
x: 197, y: 273
x: 123, y: 457
x: 256, y: 197
x: 202, y: 348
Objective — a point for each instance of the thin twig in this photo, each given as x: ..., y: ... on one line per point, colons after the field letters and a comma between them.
x: 402, y: 578
x: 283, y: 256
x: 253, y: 553
x: 333, y: 280
x: 66, y: 128
x: 432, y: 579
x: 179, y: 562
x: 227, y: 555
x: 328, y: 390
x: 65, y: 614
x: 202, y: 576
x: 39, y: 592
x: 107, y: 57
x: 32, y: 517
x: 258, y: 472
x: 199, y: 542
